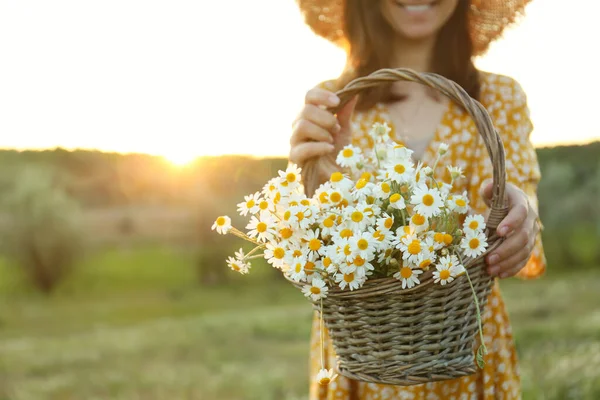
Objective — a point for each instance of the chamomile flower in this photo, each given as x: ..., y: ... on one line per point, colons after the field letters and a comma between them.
x: 442, y: 149
x: 275, y: 254
x: 382, y: 190
x: 412, y: 247
x: 474, y: 223
x: 474, y: 243
x: 340, y: 182
x: 325, y: 377
x: 428, y: 202
x: 400, y: 170
x: 222, y: 224
x: 385, y: 222
x: 349, y: 156
x: 263, y: 229
x: 458, y: 203
x: 419, y: 223
x: 238, y: 265
x: 400, y: 152
x: 455, y: 172
x: 316, y: 290
x: 356, y: 217
x: 314, y: 244
x: 362, y: 245
x: 300, y: 217
x: 322, y: 195
x: 380, y: 132
x: 296, y: 271
x: 291, y: 178
x: 351, y: 280
x: 363, y: 266
x: 269, y: 190
x: 408, y: 276
x: 381, y: 238
x: 397, y: 201
x: 328, y: 224
x: 362, y: 189
x: 249, y: 205
x: 425, y: 259
x: 419, y: 176
x: 442, y: 274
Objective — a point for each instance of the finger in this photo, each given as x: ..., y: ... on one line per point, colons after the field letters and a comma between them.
x: 516, y: 216
x: 319, y: 117
x: 344, y: 115
x: 486, y: 191
x: 514, y: 243
x: 305, y: 131
x: 517, y: 259
x: 517, y: 245
x: 304, y: 151
x: 321, y: 97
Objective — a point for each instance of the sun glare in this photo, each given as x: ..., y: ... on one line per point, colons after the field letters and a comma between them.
x: 180, y: 159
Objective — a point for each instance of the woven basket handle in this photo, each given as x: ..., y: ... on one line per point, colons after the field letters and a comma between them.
x: 483, y: 122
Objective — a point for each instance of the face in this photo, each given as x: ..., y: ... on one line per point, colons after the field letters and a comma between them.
x: 417, y: 19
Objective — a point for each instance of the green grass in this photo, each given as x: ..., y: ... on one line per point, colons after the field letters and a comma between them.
x: 133, y: 324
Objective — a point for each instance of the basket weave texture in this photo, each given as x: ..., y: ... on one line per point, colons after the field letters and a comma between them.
x: 384, y: 334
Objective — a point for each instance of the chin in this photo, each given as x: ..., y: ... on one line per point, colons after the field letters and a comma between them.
x: 418, y: 19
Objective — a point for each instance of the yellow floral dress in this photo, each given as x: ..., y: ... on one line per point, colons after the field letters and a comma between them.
x: 506, y: 103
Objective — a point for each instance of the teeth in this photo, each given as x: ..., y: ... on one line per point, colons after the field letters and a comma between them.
x: 417, y: 8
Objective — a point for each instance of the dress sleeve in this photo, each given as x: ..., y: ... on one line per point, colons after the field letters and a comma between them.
x: 506, y: 103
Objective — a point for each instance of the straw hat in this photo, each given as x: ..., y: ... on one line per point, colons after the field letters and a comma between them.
x: 487, y: 19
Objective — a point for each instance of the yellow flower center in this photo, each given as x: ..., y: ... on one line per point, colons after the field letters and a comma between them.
x: 399, y: 168
x: 297, y: 253
x: 261, y: 227
x: 298, y: 268
x: 335, y: 197
x: 263, y: 205
x: 361, y: 183
x: 235, y: 267
x: 357, y: 216
x: 305, y: 202
x: 377, y: 235
x: 250, y: 204
x: 348, y: 153
x: 425, y: 263
x: 428, y: 200
x: 291, y: 177
x: 277, y: 198
x: 444, y: 274
x: 309, y: 268
x: 414, y: 247
x: 346, y: 233
x: 344, y: 203
x: 347, y: 250
x: 314, y: 244
x: 300, y: 215
x: 315, y: 290
x: 388, y: 223
x: 394, y: 198
x: 438, y: 237
x: 359, y: 261
x: 461, y: 202
x: 448, y: 239
x: 385, y: 187
x: 278, y: 253
x: 221, y: 221
x: 326, y: 262
x: 324, y: 381
x: 323, y: 197
x: 362, y: 244
x: 474, y: 243
x: 336, y: 177
x: 349, y: 277
x: 327, y: 223
x: 418, y: 219
x: 473, y: 224
x: 406, y: 272
x: 286, y: 233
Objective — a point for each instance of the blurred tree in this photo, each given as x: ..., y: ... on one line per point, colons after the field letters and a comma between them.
x: 45, y: 235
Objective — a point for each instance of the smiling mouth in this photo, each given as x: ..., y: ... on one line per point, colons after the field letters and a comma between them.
x: 417, y: 8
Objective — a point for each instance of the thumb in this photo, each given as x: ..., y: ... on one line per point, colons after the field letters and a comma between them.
x: 345, y: 114
x: 486, y: 191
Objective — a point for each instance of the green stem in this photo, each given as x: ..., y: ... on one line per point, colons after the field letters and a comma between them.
x: 482, y: 350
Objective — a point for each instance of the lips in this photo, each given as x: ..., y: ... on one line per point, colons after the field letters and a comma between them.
x: 416, y: 7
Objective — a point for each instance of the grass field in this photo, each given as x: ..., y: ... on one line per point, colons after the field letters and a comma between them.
x: 133, y: 324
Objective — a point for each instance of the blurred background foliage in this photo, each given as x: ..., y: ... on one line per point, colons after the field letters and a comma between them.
x: 112, y: 284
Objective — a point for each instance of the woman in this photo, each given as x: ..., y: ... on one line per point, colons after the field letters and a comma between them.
x: 440, y: 36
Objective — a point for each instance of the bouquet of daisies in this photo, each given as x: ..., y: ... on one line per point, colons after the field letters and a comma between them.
x: 379, y: 216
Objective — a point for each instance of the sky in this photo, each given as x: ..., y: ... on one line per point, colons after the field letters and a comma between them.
x: 186, y: 78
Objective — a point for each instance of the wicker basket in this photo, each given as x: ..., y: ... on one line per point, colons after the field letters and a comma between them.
x: 384, y: 334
